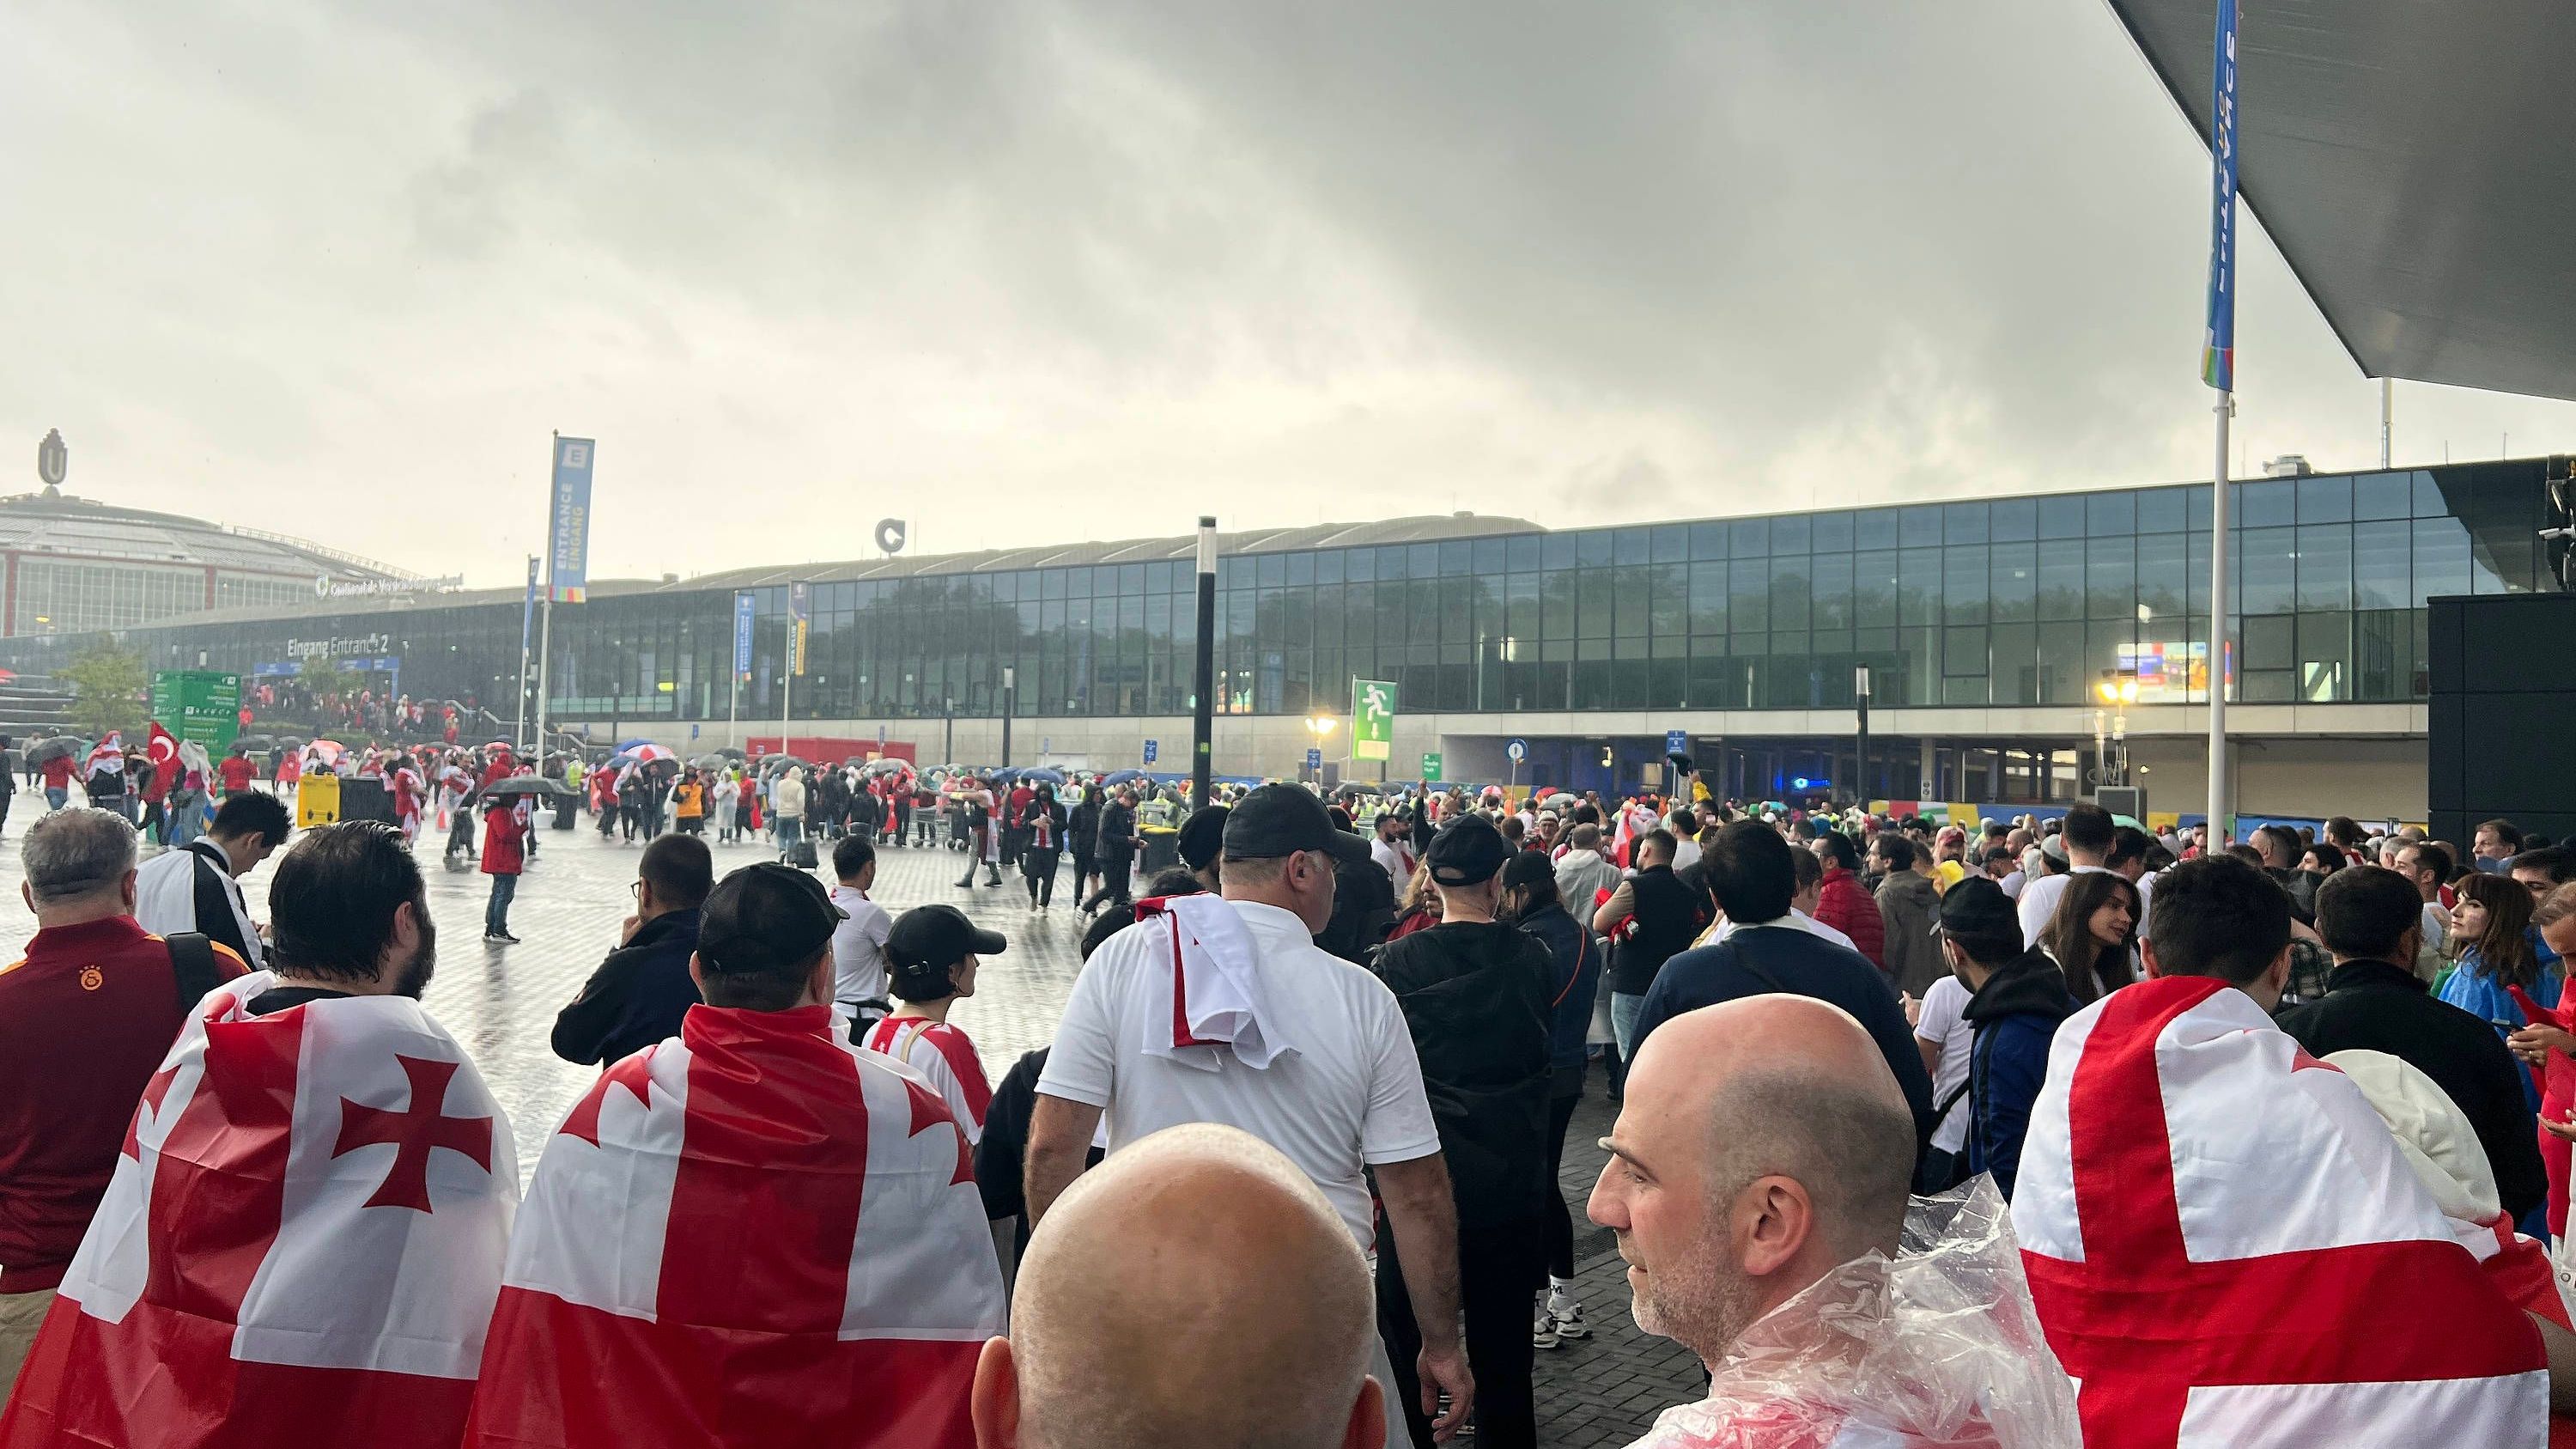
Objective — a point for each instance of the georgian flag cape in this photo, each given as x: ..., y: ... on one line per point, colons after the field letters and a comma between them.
x: 751, y: 1234
x: 301, y: 1244
x: 2227, y: 1248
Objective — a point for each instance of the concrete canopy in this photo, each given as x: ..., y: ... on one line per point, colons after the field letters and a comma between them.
x: 2416, y: 165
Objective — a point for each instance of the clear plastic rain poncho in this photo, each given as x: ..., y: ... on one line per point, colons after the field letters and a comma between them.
x: 1940, y: 1347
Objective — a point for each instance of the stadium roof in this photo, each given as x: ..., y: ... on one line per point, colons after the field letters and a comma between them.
x: 2416, y: 165
x: 1065, y: 555
x: 58, y: 523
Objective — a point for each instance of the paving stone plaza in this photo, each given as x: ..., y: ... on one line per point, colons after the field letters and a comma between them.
x: 500, y: 1000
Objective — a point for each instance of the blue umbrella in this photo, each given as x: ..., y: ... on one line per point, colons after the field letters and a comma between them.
x: 1121, y: 777
x: 630, y: 744
x: 1041, y: 775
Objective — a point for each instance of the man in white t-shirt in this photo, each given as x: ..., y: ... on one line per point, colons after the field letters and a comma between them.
x: 858, y: 943
x: 1945, y: 1038
x: 1392, y: 851
x: 2087, y: 838
x: 1335, y: 1086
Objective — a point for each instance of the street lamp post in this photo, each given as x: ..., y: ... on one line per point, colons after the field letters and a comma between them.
x: 1860, y: 766
x: 948, y: 740
x: 1321, y: 726
x: 1203, y: 674
x: 1010, y: 690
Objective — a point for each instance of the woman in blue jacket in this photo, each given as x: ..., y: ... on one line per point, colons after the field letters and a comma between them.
x: 1530, y: 902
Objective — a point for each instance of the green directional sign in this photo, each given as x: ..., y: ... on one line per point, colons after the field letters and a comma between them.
x: 1431, y: 767
x: 1372, y: 718
x: 198, y: 704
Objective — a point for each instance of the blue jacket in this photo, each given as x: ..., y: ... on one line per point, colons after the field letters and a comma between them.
x: 2014, y: 1016
x: 1576, y: 980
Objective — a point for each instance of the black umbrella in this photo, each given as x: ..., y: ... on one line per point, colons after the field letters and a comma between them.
x: 710, y: 761
x: 729, y: 752
x: 255, y: 742
x: 522, y: 785
x: 772, y: 764
x: 63, y: 746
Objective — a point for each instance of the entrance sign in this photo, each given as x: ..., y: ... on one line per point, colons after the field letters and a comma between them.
x: 1372, y: 718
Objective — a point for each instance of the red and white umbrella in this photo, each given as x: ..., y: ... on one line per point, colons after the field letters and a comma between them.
x: 327, y: 751
x: 644, y: 754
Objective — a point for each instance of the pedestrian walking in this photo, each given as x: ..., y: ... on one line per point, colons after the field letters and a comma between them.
x: 504, y: 856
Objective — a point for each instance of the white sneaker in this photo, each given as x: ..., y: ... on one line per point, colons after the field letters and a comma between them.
x: 1568, y: 1321
x: 1543, y: 1332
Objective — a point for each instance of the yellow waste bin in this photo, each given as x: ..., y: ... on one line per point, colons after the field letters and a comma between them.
x: 317, y: 800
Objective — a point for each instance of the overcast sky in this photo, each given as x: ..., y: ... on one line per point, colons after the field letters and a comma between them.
x: 1028, y: 272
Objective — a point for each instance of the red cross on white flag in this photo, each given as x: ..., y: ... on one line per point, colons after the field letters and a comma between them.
x: 2227, y: 1248
x: 301, y: 1245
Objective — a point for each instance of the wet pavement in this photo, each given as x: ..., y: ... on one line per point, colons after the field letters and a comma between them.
x: 501, y: 1000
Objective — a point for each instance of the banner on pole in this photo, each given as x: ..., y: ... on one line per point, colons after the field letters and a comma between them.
x: 568, y: 527
x: 528, y: 613
x: 797, y: 615
x: 1372, y: 718
x: 2218, y: 351
x: 742, y: 615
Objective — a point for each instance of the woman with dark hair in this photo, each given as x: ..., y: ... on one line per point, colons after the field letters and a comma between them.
x: 2091, y: 935
x: 2491, y: 940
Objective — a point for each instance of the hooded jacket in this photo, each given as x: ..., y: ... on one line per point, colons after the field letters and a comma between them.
x: 1909, y: 905
x: 1843, y: 904
x: 2014, y: 1017
x: 1475, y: 997
x: 1581, y: 875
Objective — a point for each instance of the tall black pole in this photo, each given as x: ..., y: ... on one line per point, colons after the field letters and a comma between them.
x: 1860, y: 696
x: 1203, y: 696
x: 1010, y: 696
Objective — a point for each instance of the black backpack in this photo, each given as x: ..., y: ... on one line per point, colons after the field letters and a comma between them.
x: 192, y: 967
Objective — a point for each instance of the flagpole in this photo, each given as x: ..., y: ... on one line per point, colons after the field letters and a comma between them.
x: 2218, y: 370
x: 546, y: 617
x: 527, y: 607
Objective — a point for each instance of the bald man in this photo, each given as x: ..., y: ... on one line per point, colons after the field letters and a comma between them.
x: 1243, y: 1320
x: 1762, y: 1144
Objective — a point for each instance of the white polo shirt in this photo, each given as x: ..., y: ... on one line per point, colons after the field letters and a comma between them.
x: 1350, y: 1094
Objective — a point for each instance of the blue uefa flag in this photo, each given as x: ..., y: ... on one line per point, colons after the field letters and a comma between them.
x: 2218, y: 351
x: 568, y: 523
x: 742, y: 601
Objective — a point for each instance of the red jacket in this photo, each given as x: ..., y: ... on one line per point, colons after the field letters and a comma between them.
x: 502, y: 834
x: 1843, y: 905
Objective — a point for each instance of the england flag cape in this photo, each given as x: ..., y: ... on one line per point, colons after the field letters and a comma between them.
x: 2227, y: 1248
x: 751, y: 1234
x: 301, y: 1245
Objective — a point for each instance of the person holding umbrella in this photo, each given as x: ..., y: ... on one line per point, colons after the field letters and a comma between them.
x: 504, y: 857
x: 1043, y: 825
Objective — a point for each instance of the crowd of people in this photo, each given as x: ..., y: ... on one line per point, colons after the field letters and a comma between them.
x: 2016, y: 1133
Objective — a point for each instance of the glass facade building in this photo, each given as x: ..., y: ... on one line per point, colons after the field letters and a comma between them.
x: 2005, y: 602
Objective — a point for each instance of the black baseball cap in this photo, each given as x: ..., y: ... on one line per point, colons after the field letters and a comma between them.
x: 937, y: 937
x: 1279, y: 820
x: 763, y: 919
x: 1467, y: 853
x: 1203, y: 835
x: 1527, y: 867
x: 1976, y: 909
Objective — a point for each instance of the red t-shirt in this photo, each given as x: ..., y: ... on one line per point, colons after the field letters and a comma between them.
x: 85, y: 1018
x: 236, y: 773
x: 58, y: 772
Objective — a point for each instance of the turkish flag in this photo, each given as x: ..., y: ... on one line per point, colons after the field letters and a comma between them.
x: 752, y: 1234
x: 2226, y: 1246
x: 301, y: 1243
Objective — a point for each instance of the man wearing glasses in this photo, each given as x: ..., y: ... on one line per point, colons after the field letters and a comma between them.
x: 640, y: 992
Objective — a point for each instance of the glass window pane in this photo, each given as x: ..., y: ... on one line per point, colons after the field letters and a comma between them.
x: 1963, y: 651
x: 2379, y: 564
x: 1963, y: 522
x: 2111, y: 513
x: 2014, y: 650
x: 1707, y: 540
x: 2061, y: 581
x: 1557, y: 551
x: 1789, y: 596
x: 1919, y: 524
x: 1630, y: 546
x: 2325, y: 500
x: 2110, y: 579
x: 2160, y: 510
x: 1831, y: 533
x: 1963, y: 584
x: 2266, y: 573
x: 1874, y: 529
x: 1488, y: 555
x: 1919, y: 586
x: 2325, y: 657
x: 2325, y: 566
x: 1789, y: 535
x: 1520, y: 553
x: 1749, y: 537
x: 2012, y: 520
x: 2163, y: 580
x: 1832, y: 584
x: 2012, y: 581
x: 2268, y: 503
x: 1359, y: 564
x: 1593, y: 590
x: 2381, y: 495
x: 1671, y: 543
x: 2270, y: 641
x: 1874, y: 591
x: 1328, y: 566
x: 1424, y: 560
x: 1708, y: 598
x: 1630, y: 601
x: 1749, y: 598
x: 2061, y: 518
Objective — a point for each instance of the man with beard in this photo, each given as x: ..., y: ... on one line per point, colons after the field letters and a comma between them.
x: 303, y: 1239
x: 1758, y: 1183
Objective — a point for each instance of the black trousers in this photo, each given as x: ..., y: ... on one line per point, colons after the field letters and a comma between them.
x: 1114, y: 871
x: 1040, y: 867
x: 1499, y: 1266
x: 1559, y: 1215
